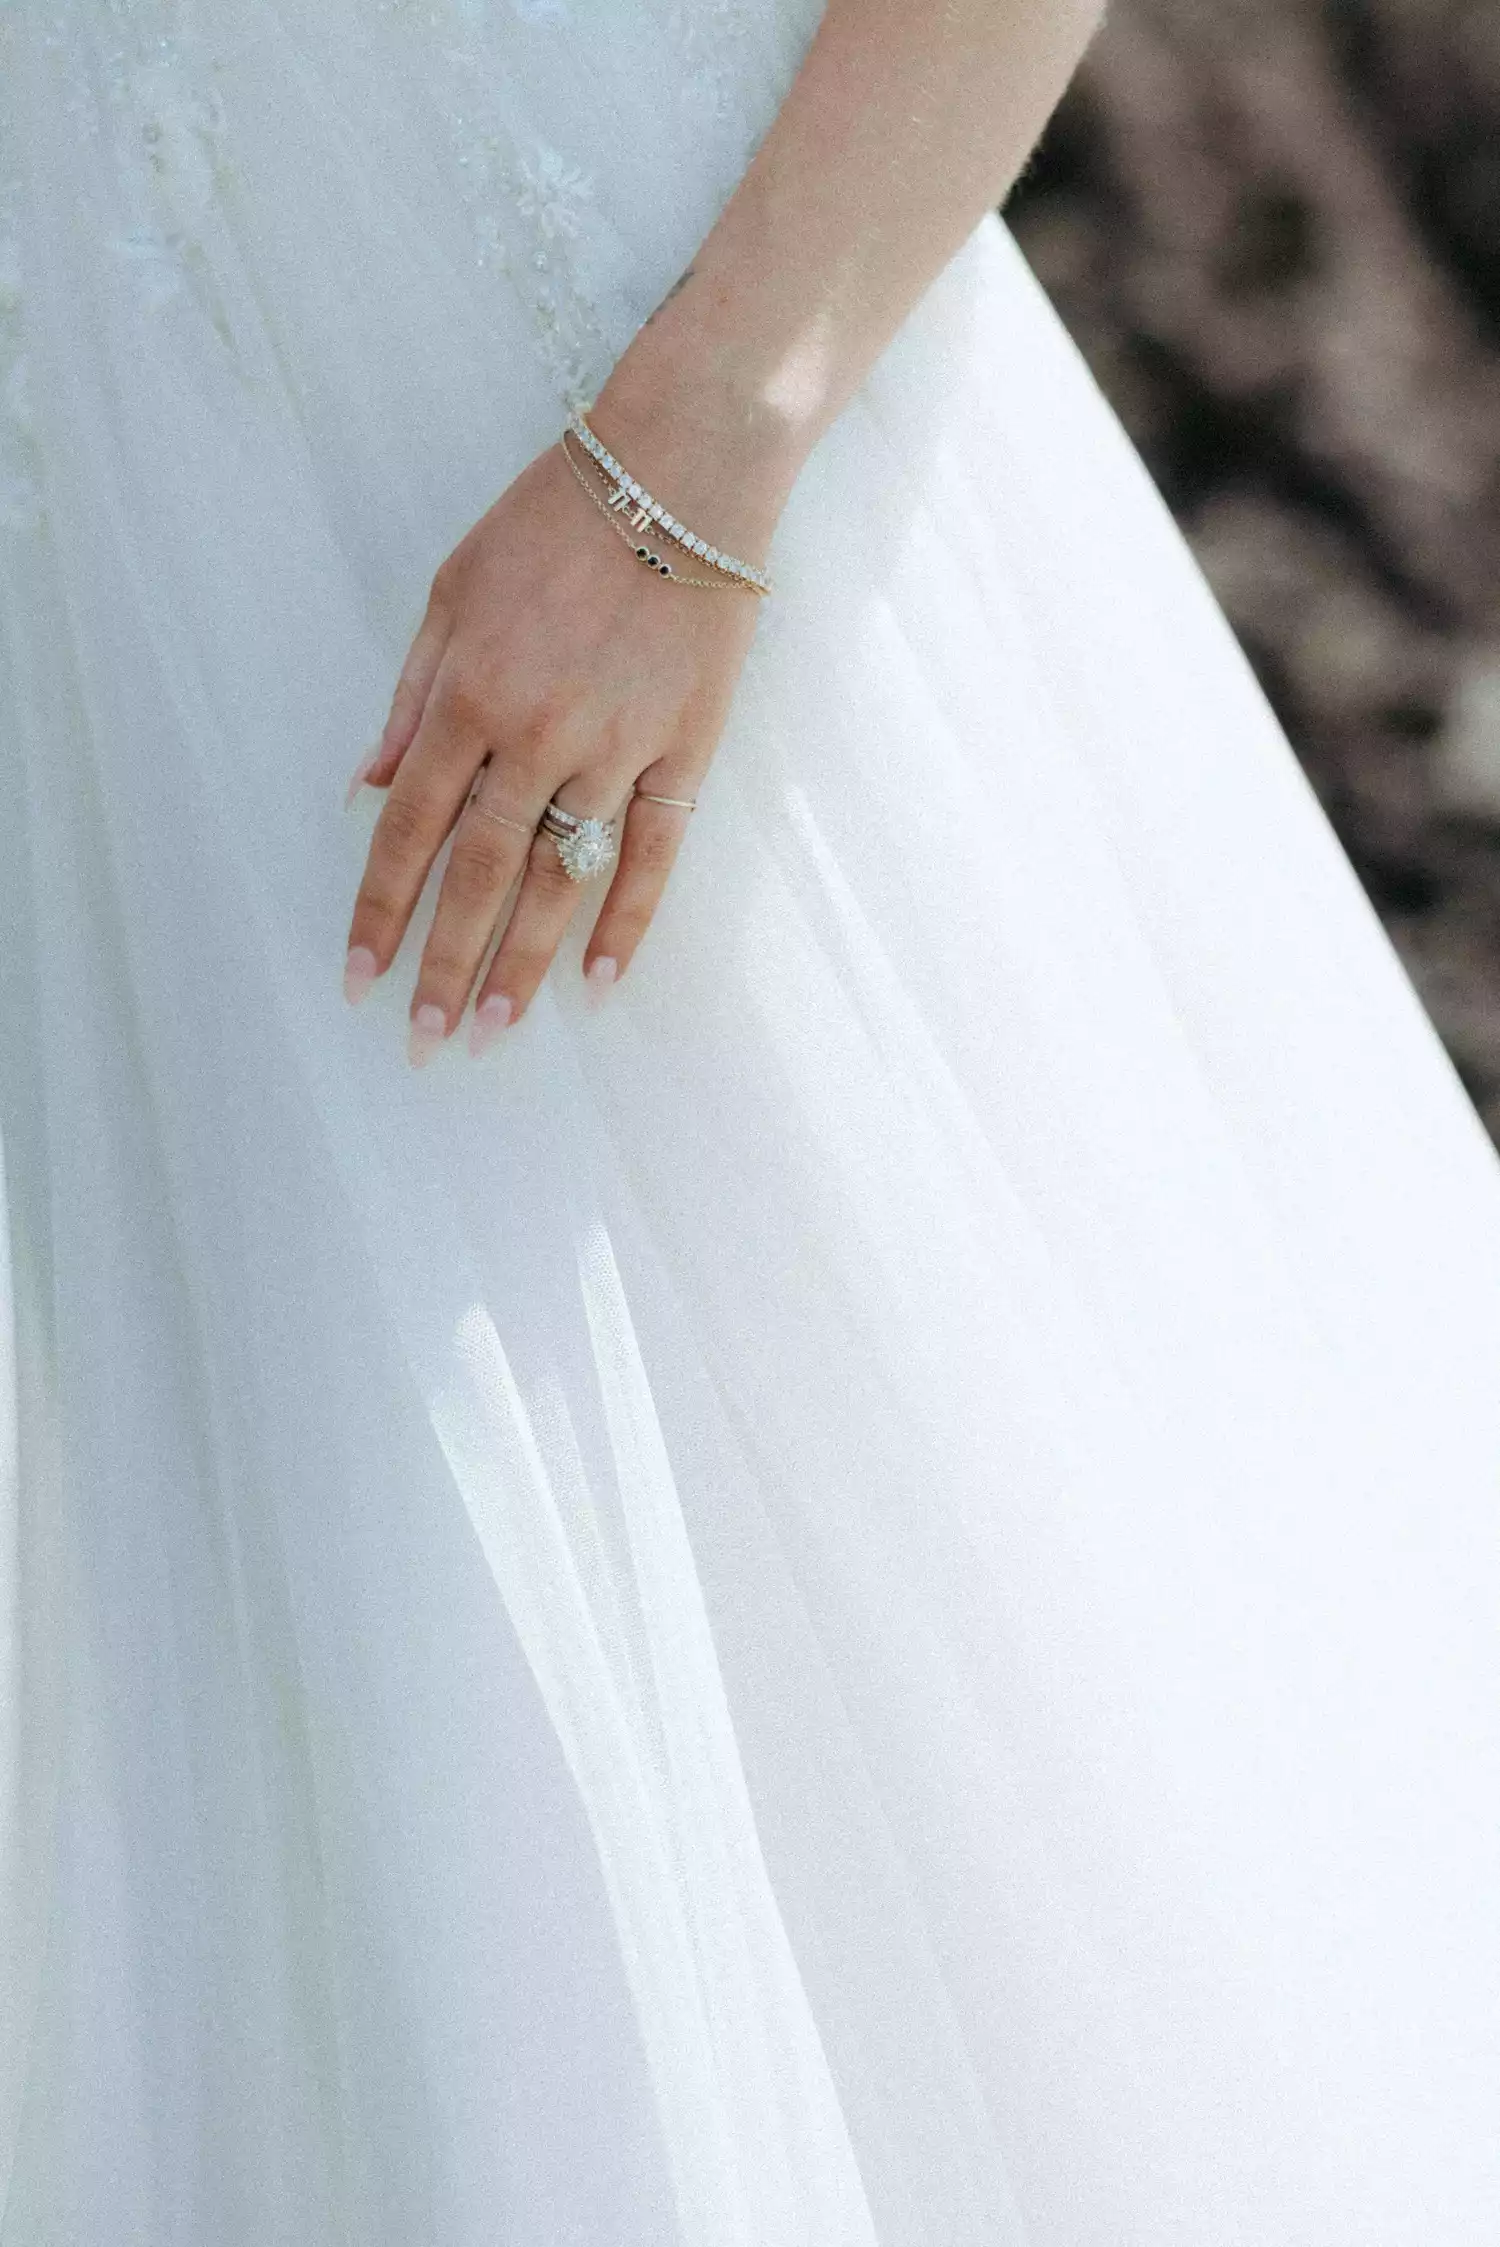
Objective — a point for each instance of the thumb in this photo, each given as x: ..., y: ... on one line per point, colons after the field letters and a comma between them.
x: 377, y: 768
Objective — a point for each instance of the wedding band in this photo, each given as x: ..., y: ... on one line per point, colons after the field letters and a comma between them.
x: 585, y: 846
x: 683, y: 803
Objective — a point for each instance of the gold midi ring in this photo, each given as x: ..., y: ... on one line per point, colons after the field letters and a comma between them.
x: 683, y: 803
x: 472, y: 803
x: 499, y: 817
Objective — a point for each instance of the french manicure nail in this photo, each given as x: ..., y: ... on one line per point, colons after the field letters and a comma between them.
x: 490, y: 1017
x: 601, y: 974
x: 429, y: 1026
x: 361, y: 771
x: 360, y: 970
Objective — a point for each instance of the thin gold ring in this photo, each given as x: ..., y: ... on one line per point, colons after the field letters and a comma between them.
x: 683, y: 803
x: 498, y: 817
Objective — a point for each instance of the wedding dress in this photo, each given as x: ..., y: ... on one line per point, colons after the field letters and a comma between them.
x: 847, y: 1602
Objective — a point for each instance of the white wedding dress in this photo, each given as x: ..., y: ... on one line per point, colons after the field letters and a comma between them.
x: 851, y: 1601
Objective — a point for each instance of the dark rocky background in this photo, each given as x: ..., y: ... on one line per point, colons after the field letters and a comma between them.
x: 1274, y: 228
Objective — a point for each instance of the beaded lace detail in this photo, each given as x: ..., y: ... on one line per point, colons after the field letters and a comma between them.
x: 143, y: 76
x: 154, y: 87
x: 533, y: 215
x: 711, y: 36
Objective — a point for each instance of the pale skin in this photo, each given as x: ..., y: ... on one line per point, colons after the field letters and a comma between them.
x: 550, y: 661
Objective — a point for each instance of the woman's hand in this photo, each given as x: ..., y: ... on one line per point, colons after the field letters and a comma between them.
x: 548, y: 655
x: 546, y: 648
x: 553, y: 663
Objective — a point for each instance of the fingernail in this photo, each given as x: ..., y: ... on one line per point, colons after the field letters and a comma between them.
x: 360, y: 970
x: 361, y: 771
x: 429, y: 1026
x: 601, y: 974
x: 490, y: 1017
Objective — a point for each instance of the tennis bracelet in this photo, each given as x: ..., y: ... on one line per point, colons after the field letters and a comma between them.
x: 631, y: 505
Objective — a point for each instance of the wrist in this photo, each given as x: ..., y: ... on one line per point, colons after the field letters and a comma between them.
x: 699, y: 422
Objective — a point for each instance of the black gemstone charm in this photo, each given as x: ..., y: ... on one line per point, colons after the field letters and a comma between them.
x: 643, y: 553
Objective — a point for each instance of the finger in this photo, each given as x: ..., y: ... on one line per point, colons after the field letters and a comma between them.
x: 545, y: 903
x: 649, y: 843
x: 426, y: 795
x: 490, y: 844
x: 408, y: 702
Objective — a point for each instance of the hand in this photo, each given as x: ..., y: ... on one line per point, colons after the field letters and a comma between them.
x: 551, y: 661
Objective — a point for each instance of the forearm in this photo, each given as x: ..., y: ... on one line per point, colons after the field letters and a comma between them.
x: 907, y: 122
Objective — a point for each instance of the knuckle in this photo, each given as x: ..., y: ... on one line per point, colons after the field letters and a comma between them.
x: 554, y: 706
x: 492, y: 709
x: 524, y: 963
x: 467, y: 706
x: 556, y: 890
x: 624, y: 925
x: 617, y: 735
x: 443, y: 592
x: 405, y: 824
x: 479, y: 860
x: 528, y: 777
x: 446, y: 970
x: 547, y: 870
x: 376, y: 909
x: 538, y: 721
x: 518, y: 972
x: 654, y: 847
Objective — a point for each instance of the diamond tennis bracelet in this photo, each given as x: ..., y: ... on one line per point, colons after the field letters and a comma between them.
x: 630, y: 503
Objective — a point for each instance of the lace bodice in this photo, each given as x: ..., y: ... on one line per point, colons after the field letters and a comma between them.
x: 545, y: 152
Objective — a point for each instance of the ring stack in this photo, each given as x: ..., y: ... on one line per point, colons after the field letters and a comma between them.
x: 585, y: 846
x: 631, y: 504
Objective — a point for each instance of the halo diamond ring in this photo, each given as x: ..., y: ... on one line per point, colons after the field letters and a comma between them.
x: 585, y: 846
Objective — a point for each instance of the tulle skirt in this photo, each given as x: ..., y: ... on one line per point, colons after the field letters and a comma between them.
x: 850, y: 1601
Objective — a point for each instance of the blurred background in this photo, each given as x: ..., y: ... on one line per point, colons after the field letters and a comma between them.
x: 1274, y: 228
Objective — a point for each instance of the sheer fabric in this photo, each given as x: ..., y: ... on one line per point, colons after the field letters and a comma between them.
x: 847, y: 1603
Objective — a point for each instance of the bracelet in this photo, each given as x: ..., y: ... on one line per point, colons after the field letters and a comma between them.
x: 630, y: 503
x: 719, y: 583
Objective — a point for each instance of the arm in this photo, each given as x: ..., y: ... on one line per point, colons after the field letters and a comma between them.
x: 549, y: 661
x: 908, y: 121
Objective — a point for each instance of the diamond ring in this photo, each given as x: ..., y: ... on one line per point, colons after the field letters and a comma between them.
x: 585, y: 846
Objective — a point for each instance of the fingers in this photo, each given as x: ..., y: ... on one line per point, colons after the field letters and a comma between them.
x: 490, y: 845
x: 497, y: 854
x: 426, y: 794
x: 410, y: 697
x: 649, y: 844
x: 546, y: 902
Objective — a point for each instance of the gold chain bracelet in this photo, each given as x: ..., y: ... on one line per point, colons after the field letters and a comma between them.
x: 635, y: 507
